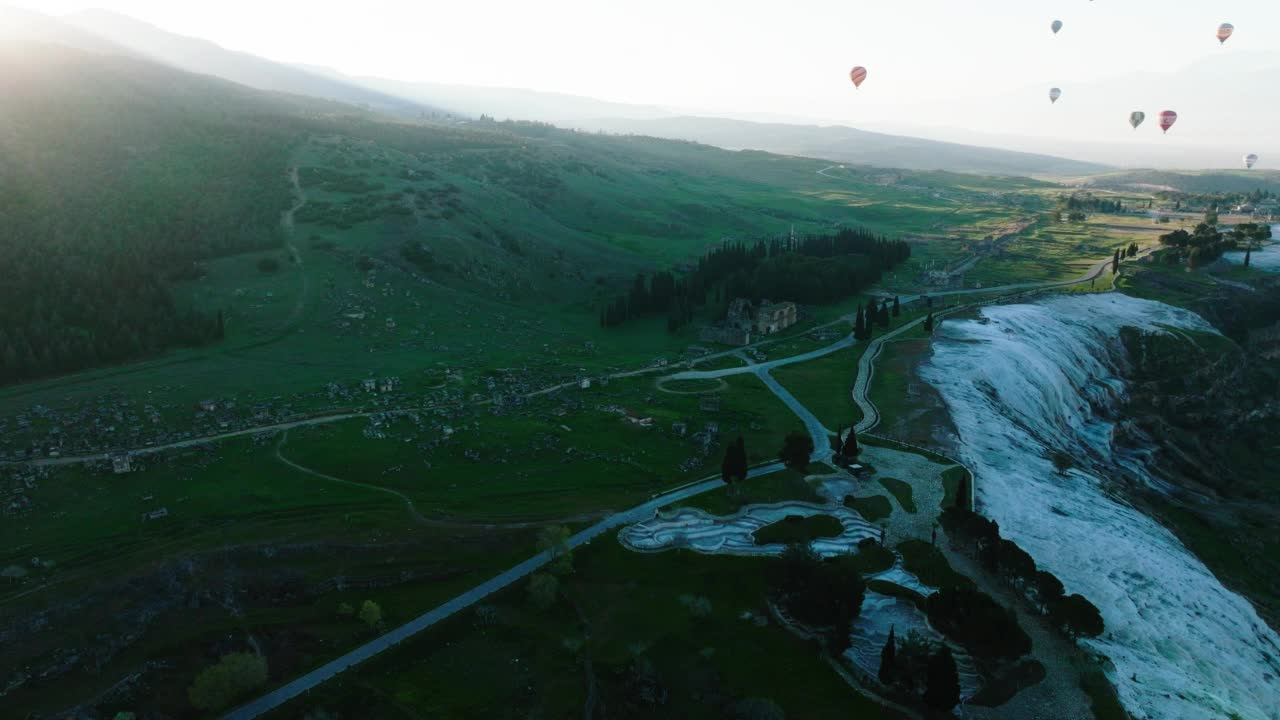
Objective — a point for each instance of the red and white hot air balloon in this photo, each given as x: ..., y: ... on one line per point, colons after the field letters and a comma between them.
x: 1167, y: 119
x: 1224, y: 32
x: 857, y: 75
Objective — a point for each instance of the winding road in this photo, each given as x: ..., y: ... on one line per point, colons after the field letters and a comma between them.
x: 283, y: 694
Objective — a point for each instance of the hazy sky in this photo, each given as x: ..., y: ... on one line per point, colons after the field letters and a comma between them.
x: 750, y: 56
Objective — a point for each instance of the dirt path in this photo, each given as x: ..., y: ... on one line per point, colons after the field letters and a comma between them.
x: 287, y: 223
x: 1058, y: 695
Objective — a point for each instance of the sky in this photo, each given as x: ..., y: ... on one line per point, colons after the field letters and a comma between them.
x: 930, y: 62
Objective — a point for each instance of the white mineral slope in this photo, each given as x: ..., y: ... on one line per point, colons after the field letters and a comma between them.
x: 703, y: 532
x: 1027, y: 379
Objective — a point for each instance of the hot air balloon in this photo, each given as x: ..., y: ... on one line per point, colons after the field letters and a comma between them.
x: 1224, y: 32
x: 857, y: 75
x: 1056, y: 26
x: 1250, y: 160
x: 1054, y: 94
x: 1136, y: 117
x: 1167, y: 119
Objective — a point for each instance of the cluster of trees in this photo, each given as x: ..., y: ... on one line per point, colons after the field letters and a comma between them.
x: 1119, y: 253
x: 920, y: 670
x: 1199, y: 247
x: 1086, y: 202
x: 797, y: 448
x: 979, y: 623
x: 875, y: 313
x: 1215, y: 199
x: 817, y: 269
x: 1072, y: 614
x: 659, y: 293
x: 823, y: 594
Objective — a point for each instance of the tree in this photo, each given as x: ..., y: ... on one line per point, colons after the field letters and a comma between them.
x: 1076, y: 616
x: 928, y: 323
x: 896, y: 306
x: 370, y: 613
x: 851, y: 448
x: 544, y: 588
x: 889, y: 659
x: 962, y: 492
x: 796, y: 450
x: 234, y: 675
x: 942, y: 681
x: 555, y: 539
x: 1115, y: 262
x: 978, y: 622
x: 859, y: 324
x: 734, y: 467
x: 1048, y: 589
x: 1246, y: 256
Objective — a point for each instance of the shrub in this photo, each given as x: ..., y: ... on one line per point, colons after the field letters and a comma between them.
x: 370, y: 613
x: 976, y: 621
x: 544, y: 588
x: 234, y: 675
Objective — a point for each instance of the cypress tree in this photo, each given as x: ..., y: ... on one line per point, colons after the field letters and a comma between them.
x: 1246, y: 256
x: 884, y: 315
x: 1115, y: 262
x: 851, y: 448
x: 859, y: 324
x: 889, y: 659
x: 928, y: 323
x: 896, y: 308
x: 942, y: 681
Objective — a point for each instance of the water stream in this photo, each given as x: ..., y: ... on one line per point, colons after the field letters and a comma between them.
x: 1023, y: 380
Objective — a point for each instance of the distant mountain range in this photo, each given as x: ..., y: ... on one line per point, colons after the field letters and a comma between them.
x: 835, y: 143
x: 206, y: 58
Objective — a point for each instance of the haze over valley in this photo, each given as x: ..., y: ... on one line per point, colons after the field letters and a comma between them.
x: 510, y: 361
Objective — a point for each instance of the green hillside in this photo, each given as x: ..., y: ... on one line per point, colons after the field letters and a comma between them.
x: 147, y: 206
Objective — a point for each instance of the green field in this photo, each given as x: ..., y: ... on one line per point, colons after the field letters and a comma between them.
x: 796, y: 529
x: 624, y: 614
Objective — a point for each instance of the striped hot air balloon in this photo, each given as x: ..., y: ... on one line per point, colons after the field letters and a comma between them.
x: 1224, y: 32
x: 1136, y: 117
x: 857, y: 75
x: 1055, y: 26
x: 1250, y: 160
x: 1167, y: 119
x: 1054, y: 94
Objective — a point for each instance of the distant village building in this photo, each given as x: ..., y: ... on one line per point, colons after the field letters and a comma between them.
x: 155, y: 514
x: 208, y: 405
x: 122, y: 463
x: 745, y: 318
x: 369, y: 384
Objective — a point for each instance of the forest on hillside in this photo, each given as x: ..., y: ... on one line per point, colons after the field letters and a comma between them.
x: 815, y: 270
x: 117, y: 180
